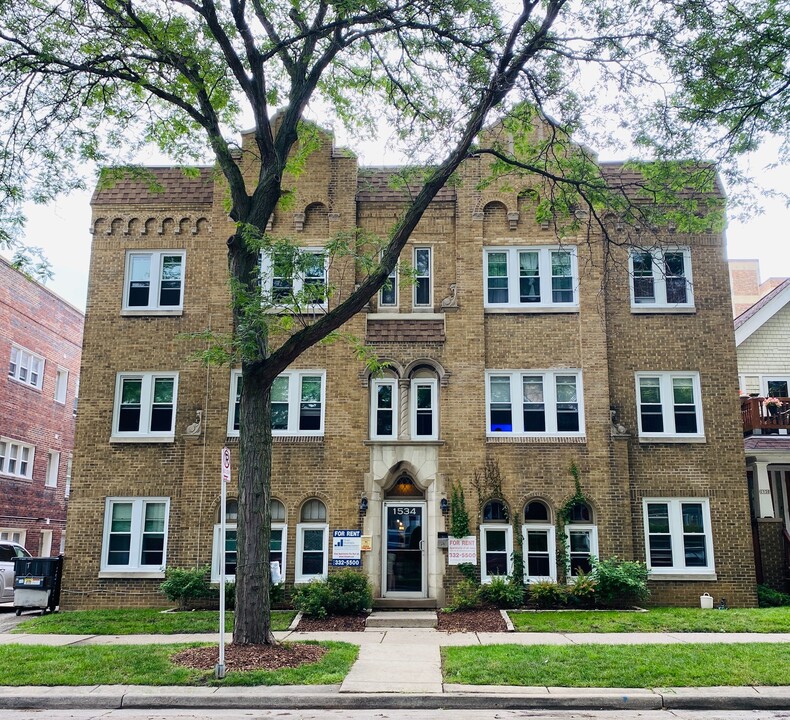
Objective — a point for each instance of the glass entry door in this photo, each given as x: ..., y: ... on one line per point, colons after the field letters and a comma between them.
x: 404, y: 549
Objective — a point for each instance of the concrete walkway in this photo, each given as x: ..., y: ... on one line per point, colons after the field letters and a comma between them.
x: 401, y: 668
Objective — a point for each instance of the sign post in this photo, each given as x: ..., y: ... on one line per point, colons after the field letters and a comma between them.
x: 219, y: 670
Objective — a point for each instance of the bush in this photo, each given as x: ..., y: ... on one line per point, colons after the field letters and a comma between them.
x: 502, y: 593
x: 768, y: 597
x: 621, y: 582
x: 469, y: 572
x: 187, y: 586
x: 547, y: 594
x: 466, y: 595
x: 582, y: 591
x: 343, y: 593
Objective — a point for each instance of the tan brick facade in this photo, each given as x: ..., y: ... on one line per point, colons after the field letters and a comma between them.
x: 449, y: 343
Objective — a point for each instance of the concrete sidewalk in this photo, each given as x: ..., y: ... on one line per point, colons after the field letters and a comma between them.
x: 385, y: 678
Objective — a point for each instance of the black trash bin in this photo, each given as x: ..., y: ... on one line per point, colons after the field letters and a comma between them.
x: 37, y: 583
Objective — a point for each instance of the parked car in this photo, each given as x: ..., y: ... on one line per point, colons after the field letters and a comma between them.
x: 8, y: 551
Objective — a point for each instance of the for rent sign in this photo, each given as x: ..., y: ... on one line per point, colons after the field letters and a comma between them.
x: 462, y: 550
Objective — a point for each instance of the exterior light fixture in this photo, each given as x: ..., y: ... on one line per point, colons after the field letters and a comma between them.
x: 363, y: 505
x: 444, y: 506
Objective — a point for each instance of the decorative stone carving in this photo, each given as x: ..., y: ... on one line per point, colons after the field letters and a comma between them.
x: 451, y: 301
x: 512, y: 219
x: 299, y: 222
x: 617, y: 429
x: 195, y: 428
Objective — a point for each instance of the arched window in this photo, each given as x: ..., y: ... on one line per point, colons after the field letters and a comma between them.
x: 540, y: 555
x: 582, y: 537
x: 277, y: 511
x: 496, y: 541
x: 312, y: 550
x: 495, y: 511
x: 581, y: 513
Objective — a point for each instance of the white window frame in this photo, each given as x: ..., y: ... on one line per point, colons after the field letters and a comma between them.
x: 765, y: 379
x: 146, y: 406
x: 217, y: 547
x: 24, y: 364
x: 434, y: 386
x: 659, y: 280
x: 485, y: 578
x: 136, y: 531
x: 590, y: 528
x: 394, y: 279
x: 375, y: 384
x: 156, y: 259
x: 61, y: 385
x: 551, y: 532
x: 549, y: 402
x: 17, y: 535
x: 69, y: 464
x: 294, y: 401
x: 45, y: 544
x: 675, y: 514
x: 429, y: 304
x: 667, y: 405
x: 53, y: 469
x: 297, y: 281
x: 14, y: 450
x: 299, y: 576
x: 544, y: 273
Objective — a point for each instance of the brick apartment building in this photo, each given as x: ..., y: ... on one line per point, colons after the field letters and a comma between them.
x: 40, y: 343
x: 504, y: 351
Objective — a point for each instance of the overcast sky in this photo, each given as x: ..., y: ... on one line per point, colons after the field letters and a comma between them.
x: 62, y: 230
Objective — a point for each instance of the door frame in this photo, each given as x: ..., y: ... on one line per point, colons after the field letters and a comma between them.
x: 386, y: 504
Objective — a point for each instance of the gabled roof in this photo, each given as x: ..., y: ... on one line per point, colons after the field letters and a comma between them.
x: 761, y: 312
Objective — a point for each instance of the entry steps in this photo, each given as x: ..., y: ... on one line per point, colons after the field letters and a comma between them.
x: 404, y: 603
x: 401, y: 619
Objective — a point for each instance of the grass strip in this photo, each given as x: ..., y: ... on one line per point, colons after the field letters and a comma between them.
x: 138, y: 622
x: 150, y: 665
x: 626, y: 666
x: 764, y: 620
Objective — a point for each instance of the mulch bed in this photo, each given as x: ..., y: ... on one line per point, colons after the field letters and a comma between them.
x: 471, y: 621
x: 250, y: 657
x: 334, y: 623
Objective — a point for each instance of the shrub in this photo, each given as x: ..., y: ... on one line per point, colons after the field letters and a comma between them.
x: 502, y: 593
x: 582, y: 591
x: 343, y: 593
x: 621, y: 582
x: 186, y: 586
x: 547, y: 594
x: 768, y: 597
x: 466, y: 595
x: 469, y: 572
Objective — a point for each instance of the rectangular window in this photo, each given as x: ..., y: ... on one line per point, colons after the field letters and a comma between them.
x: 45, y: 544
x: 297, y: 400
x: 384, y: 408
x: 540, y: 555
x: 276, y: 550
x: 678, y: 535
x: 424, y: 414
x: 582, y: 547
x: 534, y: 402
x: 13, y: 535
x: 26, y: 367
x: 531, y: 278
x: 145, y: 405
x: 312, y: 552
x: 496, y: 551
x: 422, y: 277
x: 669, y: 405
x: 388, y: 295
x: 53, y: 467
x: 295, y: 277
x: 61, y: 385
x: 661, y: 278
x: 154, y: 281
x: 16, y: 458
x: 135, y: 534
x: 67, y: 489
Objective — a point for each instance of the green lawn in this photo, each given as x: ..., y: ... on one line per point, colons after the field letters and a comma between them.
x: 655, y: 620
x: 136, y: 622
x: 150, y: 665
x: 626, y: 666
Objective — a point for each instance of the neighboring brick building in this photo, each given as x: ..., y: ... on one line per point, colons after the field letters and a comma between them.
x: 40, y: 343
x: 762, y: 335
x: 746, y: 286
x: 505, y: 351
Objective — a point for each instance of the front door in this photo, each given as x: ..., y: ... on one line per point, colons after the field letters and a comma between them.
x: 404, y: 549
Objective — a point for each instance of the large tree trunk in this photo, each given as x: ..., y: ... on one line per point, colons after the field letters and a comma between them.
x: 253, y: 573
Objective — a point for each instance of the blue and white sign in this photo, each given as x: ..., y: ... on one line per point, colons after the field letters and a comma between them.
x: 347, y: 548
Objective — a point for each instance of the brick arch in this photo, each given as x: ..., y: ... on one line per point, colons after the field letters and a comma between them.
x: 149, y: 226
x: 393, y: 366
x: 316, y: 219
x: 437, y: 367
x: 115, y: 226
x: 168, y: 226
x: 98, y: 226
x: 201, y: 226
x: 134, y: 226
x: 495, y: 219
x: 525, y: 500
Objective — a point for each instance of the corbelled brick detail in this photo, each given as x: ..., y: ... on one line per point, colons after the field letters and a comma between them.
x: 382, y: 331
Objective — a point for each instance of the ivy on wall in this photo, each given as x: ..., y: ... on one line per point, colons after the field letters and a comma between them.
x: 563, y: 518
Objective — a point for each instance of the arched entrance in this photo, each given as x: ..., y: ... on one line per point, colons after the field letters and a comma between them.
x: 404, y: 559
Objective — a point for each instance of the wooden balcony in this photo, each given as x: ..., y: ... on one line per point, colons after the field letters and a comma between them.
x: 761, y: 419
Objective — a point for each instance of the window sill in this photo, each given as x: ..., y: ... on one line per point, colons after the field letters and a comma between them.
x: 662, y: 310
x: 20, y: 478
x: 137, y: 574
x: 285, y: 310
x: 154, y: 313
x: 417, y: 314
x: 389, y: 441
x: 37, y: 388
x: 707, y: 576
x: 672, y: 439
x: 142, y: 439
x: 531, y: 439
x: 535, y: 310
x: 300, y: 439
x: 308, y: 579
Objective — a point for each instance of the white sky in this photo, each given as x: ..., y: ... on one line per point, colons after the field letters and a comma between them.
x: 62, y: 229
